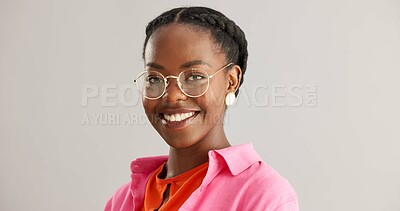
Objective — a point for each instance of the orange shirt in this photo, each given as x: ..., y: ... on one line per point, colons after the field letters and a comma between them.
x: 180, y: 188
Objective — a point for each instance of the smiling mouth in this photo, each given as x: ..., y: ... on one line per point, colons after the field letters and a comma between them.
x: 178, y: 117
x: 177, y: 120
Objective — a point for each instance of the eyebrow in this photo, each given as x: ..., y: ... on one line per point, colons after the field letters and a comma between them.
x: 185, y: 65
x: 155, y: 66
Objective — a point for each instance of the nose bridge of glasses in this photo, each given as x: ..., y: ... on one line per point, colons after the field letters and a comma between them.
x: 172, y: 76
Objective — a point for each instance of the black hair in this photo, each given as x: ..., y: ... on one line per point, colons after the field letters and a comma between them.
x: 226, y: 34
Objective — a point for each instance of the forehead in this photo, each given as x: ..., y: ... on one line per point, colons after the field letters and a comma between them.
x: 175, y: 44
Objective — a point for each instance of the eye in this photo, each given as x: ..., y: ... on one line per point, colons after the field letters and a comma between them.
x: 154, y: 80
x: 194, y: 77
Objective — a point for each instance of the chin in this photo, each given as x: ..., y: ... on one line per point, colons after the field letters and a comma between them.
x: 181, y: 141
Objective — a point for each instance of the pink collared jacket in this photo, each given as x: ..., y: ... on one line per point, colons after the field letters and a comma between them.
x: 236, y: 179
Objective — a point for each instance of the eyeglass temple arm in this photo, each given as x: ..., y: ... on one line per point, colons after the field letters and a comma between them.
x: 221, y: 69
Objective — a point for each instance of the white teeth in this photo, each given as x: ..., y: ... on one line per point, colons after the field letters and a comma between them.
x: 178, y: 117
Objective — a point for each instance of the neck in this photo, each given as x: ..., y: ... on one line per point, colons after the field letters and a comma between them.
x: 182, y: 160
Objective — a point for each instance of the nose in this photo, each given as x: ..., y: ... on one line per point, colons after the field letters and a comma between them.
x: 172, y: 92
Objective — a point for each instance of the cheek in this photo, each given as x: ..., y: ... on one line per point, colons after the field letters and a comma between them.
x: 216, y: 93
x: 148, y: 106
x: 214, y: 100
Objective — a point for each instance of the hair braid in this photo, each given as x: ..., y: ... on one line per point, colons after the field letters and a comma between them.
x: 234, y: 32
x: 225, y: 32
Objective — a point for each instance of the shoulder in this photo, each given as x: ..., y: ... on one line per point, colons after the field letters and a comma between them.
x: 120, y: 198
x: 268, y: 190
x: 125, y: 196
x: 257, y: 185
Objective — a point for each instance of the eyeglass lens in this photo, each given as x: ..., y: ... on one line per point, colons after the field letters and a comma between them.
x: 193, y: 83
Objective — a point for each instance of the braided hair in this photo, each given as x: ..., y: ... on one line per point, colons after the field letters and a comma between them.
x: 226, y: 34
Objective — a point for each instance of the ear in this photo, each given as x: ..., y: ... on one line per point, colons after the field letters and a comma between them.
x: 234, y: 78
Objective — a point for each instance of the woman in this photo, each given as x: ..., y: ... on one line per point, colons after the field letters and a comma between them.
x: 195, y: 59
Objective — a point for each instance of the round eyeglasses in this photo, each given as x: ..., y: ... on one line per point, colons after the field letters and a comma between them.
x: 193, y: 82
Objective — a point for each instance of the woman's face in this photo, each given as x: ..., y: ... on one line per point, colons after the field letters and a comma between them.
x: 170, y: 50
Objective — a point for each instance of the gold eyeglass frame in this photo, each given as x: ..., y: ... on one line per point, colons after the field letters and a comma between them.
x: 178, y: 82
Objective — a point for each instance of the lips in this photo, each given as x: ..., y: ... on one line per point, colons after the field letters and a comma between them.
x: 177, y: 119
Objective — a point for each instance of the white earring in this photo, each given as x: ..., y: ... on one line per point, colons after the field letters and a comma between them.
x: 230, y: 98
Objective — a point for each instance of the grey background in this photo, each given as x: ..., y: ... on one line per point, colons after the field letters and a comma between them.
x: 341, y: 154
